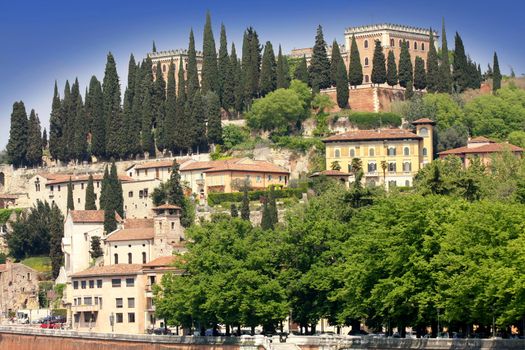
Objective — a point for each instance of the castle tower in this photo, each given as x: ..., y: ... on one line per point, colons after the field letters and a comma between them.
x: 168, y: 230
x: 425, y: 129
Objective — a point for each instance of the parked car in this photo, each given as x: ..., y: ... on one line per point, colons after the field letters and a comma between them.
x: 162, y: 331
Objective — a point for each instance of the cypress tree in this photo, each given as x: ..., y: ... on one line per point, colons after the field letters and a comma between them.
x: 159, y: 106
x: 378, y: 65
x: 96, y: 249
x: 70, y: 199
x: 81, y: 130
x: 432, y: 66
x: 147, y: 115
x: 90, y: 195
x: 301, y: 71
x: 223, y: 67
x: 405, y: 66
x: 213, y: 116
x: 409, y: 91
x: 117, y: 198
x: 56, y: 233
x: 230, y: 83
x: 44, y: 139
x: 154, y: 48
x: 74, y: 118
x: 245, y: 204
x: 18, y: 135
x: 192, y: 82
x: 268, y: 70
x: 340, y: 76
x: 198, y: 130
x: 319, y: 69
x: 233, y: 211
x: 175, y: 195
x: 460, y: 71
x: 283, y: 75
x: 236, y: 79
x: 496, y: 74
x: 272, y: 206
x: 65, y: 106
x: 334, y: 62
x: 266, y: 220
x: 251, y: 65
x: 171, y: 110
x: 445, y: 79
x: 55, y: 126
x: 95, y: 108
x: 110, y: 221
x: 182, y: 136
x: 355, y: 71
x: 210, y: 75
x: 420, y: 76
x: 112, y: 112
x: 131, y: 117
x: 34, y: 140
x: 69, y: 104
x: 135, y: 119
x: 391, y: 73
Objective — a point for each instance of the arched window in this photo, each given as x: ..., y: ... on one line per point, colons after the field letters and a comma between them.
x: 337, y: 153
x: 130, y: 258
x: 164, y: 68
x: 366, y: 61
x: 407, y: 183
x: 423, y: 46
x: 406, y: 151
x: 423, y: 132
x: 392, y: 42
x: 372, y: 167
x: 143, y: 257
x: 424, y: 152
x: 407, y: 167
x: 154, y: 67
x: 391, y: 151
x: 367, y: 79
x: 352, y: 152
x: 400, y: 43
x: 371, y: 152
x: 366, y: 44
x: 391, y: 167
x: 408, y: 44
x: 115, y: 257
x: 415, y: 45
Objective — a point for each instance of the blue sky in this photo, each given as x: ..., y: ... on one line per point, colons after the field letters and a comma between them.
x: 44, y: 41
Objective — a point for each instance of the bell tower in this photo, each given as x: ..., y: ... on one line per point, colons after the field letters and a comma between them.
x: 425, y: 129
x: 169, y: 233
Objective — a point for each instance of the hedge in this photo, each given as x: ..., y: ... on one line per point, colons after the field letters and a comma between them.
x: 369, y: 120
x: 298, y: 143
x: 218, y: 198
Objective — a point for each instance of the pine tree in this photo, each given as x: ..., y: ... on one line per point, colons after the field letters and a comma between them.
x: 233, y: 211
x: 18, y: 135
x: 432, y: 65
x: 378, y: 65
x: 210, y: 75
x: 355, y: 71
x: 44, y: 139
x: 56, y: 233
x: 112, y: 112
x: 198, y: 130
x: 192, y: 81
x: 496, y: 75
x: 301, y: 71
x: 391, y: 73
x: 420, y: 76
x: 283, y: 75
x: 460, y: 73
x: 405, y: 66
x: 55, y: 126
x: 70, y: 199
x: 319, y: 69
x: 339, y: 77
x: 171, y: 110
x: 90, y: 195
x: 95, y: 108
x: 236, y: 79
x: 223, y: 66
x: 34, y: 140
x: 268, y: 70
x: 213, y: 116
x: 245, y: 205
x: 96, y: 248
x: 445, y: 79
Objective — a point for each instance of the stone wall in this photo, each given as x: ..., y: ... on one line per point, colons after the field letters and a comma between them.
x: 18, y: 288
x: 369, y: 98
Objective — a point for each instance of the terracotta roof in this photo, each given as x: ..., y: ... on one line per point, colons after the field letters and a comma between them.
x: 60, y: 179
x: 131, y: 234
x: 110, y: 270
x: 369, y: 135
x: 489, y: 148
x: 138, y: 223
x: 480, y: 139
x: 158, y: 164
x: 161, y: 261
x: 92, y: 216
x: 167, y: 206
x: 423, y: 121
x: 235, y: 164
x: 330, y: 173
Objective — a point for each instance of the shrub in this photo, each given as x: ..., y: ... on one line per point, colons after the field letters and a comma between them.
x: 219, y: 198
x: 298, y: 143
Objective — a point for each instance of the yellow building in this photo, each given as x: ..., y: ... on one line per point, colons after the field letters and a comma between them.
x: 388, y: 156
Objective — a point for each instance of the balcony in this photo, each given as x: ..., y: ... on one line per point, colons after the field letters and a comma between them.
x: 85, y: 308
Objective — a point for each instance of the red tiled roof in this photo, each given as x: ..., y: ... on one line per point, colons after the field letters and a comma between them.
x: 235, y: 164
x: 158, y: 164
x: 369, y: 135
x: 138, y: 223
x: 330, y: 173
x: 161, y: 261
x: 60, y: 179
x: 489, y: 148
x: 110, y: 270
x: 131, y: 234
x: 92, y: 216
x: 423, y: 121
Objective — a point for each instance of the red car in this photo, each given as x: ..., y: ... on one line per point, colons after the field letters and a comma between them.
x: 52, y: 324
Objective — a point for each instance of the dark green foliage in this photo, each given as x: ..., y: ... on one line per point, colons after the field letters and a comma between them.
x: 67, y: 112
x: 233, y: 211
x: 319, y: 70
x: 3, y: 258
x: 90, y: 195
x: 355, y: 70
x: 245, y: 205
x: 175, y: 195
x: 154, y: 47
x: 213, y: 116
x: 266, y: 220
x: 147, y: 109
x: 210, y: 75
x: 170, y: 123
x: 216, y: 198
x: 159, y: 107
x: 391, y: 74
x: 432, y: 65
x: 268, y: 70
x: 496, y: 75
x: 283, y: 73
x: 140, y: 88
x: 81, y: 130
x: 225, y: 91
x: 409, y: 91
x: 192, y: 81
x: 460, y: 70
x: 70, y: 199
x: 301, y: 72
x: 251, y: 65
x: 339, y: 76
x: 116, y: 191
x: 272, y: 207
x: 110, y: 221
x: 96, y: 248
x: 95, y: 112
x: 420, y: 76
x: 369, y: 120
x: 56, y: 233
x: 198, y: 123
x: 235, y: 82
x: 378, y: 64
x: 406, y: 70
x: 18, y: 135
x: 34, y: 140
x: 445, y: 78
x: 105, y: 195
x: 44, y: 139
x: 112, y: 112
x: 111, y: 198
x: 55, y: 126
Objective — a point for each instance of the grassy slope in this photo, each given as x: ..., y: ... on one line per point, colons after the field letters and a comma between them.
x: 39, y: 263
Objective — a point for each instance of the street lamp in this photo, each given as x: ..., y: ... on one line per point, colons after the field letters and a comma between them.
x: 112, y: 322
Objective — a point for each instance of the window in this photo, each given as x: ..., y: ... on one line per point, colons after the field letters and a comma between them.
x: 406, y: 151
x: 146, y: 172
x: 415, y: 45
x: 115, y: 282
x: 173, y: 226
x: 391, y: 167
x: 366, y: 44
x: 408, y: 44
x: 73, y: 187
x: 37, y: 185
x: 75, y: 284
x: 367, y: 79
x: 391, y: 151
x: 423, y: 49
x: 392, y: 42
x: 141, y: 194
x: 392, y: 183
x: 119, y: 317
x: 352, y: 152
x: 269, y: 177
x: 423, y: 132
x: 366, y: 61
x: 372, y: 167
x: 145, y: 193
x: 337, y: 153
x: 98, y: 184
x: 91, y: 284
x: 144, y: 257
x: 371, y: 152
x: 78, y: 200
x: 407, y: 167
x: 130, y: 194
x: 58, y: 188
x: 119, y: 304
x: 400, y: 43
x: 88, y: 301
x: 424, y: 151
x: 81, y: 185
x: 99, y: 283
x: 407, y: 183
x: 164, y: 68
x: 130, y: 282
x: 115, y: 258
x: 130, y: 258
x: 258, y: 178
x: 88, y: 317
x: 131, y: 317
x: 131, y: 303
x: 83, y: 284
x: 51, y: 188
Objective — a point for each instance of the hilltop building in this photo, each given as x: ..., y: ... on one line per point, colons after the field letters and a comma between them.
x: 388, y: 156
x: 18, y: 288
x: 164, y: 58
x: 482, y: 149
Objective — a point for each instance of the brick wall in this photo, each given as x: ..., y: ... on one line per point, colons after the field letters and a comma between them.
x: 369, y: 99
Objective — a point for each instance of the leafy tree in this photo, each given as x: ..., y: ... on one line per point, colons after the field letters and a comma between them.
x: 391, y: 74
x: 319, y: 70
x: 378, y: 64
x: 283, y: 74
x: 233, y: 211
x: 96, y: 249
x: 355, y: 71
x: 496, y: 75
x: 34, y: 140
x: 405, y: 66
x: 268, y: 70
x: 339, y: 76
x: 517, y: 138
x: 445, y: 79
x: 213, y: 116
x: 192, y: 80
x: 90, y: 195
x: 335, y: 165
x: 18, y: 135
x: 420, y: 76
x: 225, y: 91
x: 210, y: 74
x: 301, y: 72
x: 245, y: 204
x: 460, y: 73
x: 112, y: 112
x: 55, y: 126
x: 70, y: 199
x: 95, y: 111
x: 432, y: 65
